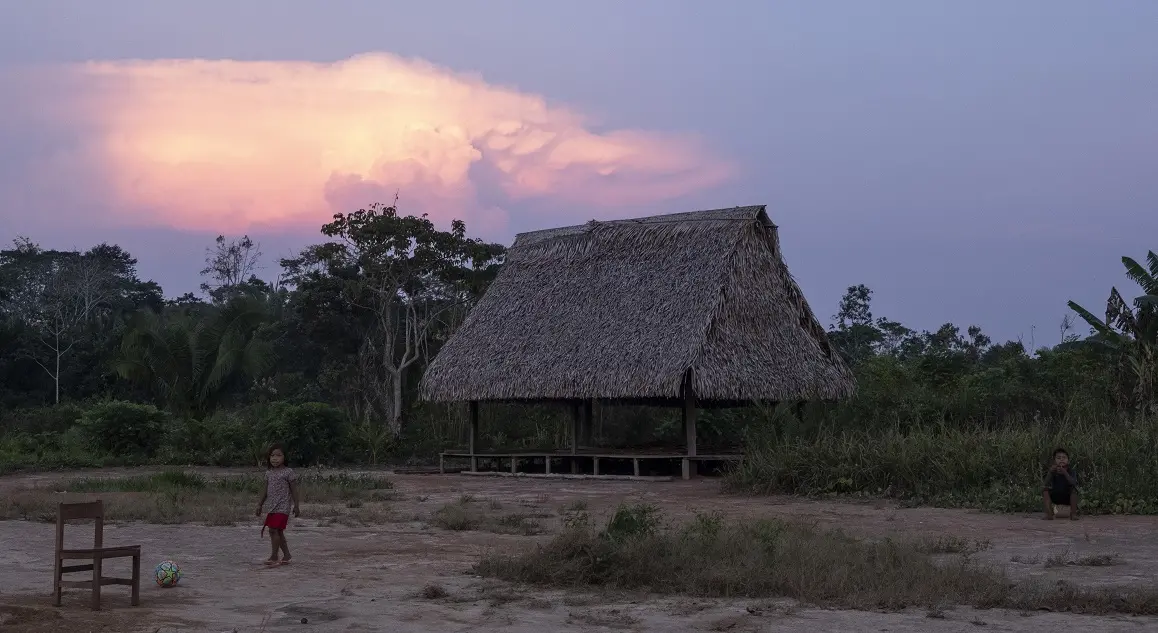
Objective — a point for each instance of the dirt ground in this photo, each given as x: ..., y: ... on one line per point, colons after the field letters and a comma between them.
x: 407, y: 576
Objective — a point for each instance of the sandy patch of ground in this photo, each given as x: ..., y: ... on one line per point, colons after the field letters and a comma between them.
x: 408, y: 576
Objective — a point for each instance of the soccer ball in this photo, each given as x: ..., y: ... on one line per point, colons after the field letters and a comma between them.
x: 167, y: 574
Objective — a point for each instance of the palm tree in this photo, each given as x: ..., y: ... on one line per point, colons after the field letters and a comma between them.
x: 1132, y: 330
x: 188, y: 361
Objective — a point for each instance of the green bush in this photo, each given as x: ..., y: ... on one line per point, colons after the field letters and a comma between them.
x: 57, y: 419
x: 633, y: 521
x: 122, y: 428
x: 70, y: 449
x: 223, y: 439
x: 311, y: 432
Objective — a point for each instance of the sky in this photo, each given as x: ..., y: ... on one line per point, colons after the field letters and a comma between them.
x: 976, y: 162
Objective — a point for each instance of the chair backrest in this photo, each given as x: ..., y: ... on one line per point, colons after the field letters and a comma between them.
x: 75, y: 511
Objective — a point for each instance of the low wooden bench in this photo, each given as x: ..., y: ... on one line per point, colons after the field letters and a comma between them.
x: 514, y: 456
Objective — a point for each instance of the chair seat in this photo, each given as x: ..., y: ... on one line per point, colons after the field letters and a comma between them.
x: 105, y: 582
x: 102, y: 552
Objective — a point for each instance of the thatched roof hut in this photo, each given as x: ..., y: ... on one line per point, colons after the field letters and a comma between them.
x: 631, y: 309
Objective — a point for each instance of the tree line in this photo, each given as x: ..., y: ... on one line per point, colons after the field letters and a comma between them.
x: 351, y: 322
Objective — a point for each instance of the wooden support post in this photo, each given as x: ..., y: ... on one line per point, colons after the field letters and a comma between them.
x: 595, y: 465
x: 473, y: 436
x: 597, y: 419
x: 635, y: 466
x: 547, y: 464
x: 514, y: 465
x: 574, y: 437
x: 442, y: 464
x: 576, y: 413
x: 689, y: 465
x: 588, y: 436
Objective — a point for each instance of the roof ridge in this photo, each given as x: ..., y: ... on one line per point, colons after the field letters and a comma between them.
x: 663, y: 218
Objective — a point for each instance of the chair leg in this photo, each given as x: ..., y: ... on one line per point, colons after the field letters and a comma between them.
x: 136, y: 581
x: 96, y: 584
x: 56, y: 578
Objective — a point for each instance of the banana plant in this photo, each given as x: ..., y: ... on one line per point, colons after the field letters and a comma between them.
x: 1131, y: 328
x: 188, y: 362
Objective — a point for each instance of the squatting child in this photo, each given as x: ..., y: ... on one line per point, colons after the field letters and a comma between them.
x: 278, y: 500
x: 1060, y: 487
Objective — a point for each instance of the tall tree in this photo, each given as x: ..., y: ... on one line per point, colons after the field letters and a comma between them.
x: 403, y: 278
x: 57, y: 295
x: 853, y: 332
x: 229, y: 266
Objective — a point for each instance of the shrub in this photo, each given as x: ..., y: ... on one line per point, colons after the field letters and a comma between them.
x: 310, y: 432
x: 125, y: 428
x: 633, y: 521
x: 223, y: 439
x: 57, y: 419
x: 456, y: 517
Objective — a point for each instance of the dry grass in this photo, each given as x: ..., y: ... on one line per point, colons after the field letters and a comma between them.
x: 1096, y: 560
x: 578, y: 505
x: 182, y: 497
x: 953, y: 545
x: 466, y: 515
x: 456, y: 517
x: 709, y: 557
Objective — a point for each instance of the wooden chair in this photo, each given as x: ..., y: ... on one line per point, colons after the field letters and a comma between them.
x: 97, y: 554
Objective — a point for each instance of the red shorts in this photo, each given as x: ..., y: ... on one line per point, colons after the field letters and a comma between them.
x: 276, y: 521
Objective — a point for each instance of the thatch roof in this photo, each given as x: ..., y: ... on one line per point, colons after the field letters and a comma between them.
x: 623, y: 309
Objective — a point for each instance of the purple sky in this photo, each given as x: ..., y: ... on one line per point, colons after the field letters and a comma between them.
x: 976, y: 162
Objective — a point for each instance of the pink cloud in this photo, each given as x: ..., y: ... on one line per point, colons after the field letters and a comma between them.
x: 225, y: 145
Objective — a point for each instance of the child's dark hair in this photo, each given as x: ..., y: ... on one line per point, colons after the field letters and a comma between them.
x: 276, y: 447
x: 1060, y: 451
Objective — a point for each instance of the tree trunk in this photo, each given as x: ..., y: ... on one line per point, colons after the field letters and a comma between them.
x: 395, y: 419
x: 56, y: 376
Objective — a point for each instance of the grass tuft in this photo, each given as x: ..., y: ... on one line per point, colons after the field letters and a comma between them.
x: 455, y: 517
x: 433, y: 592
x: 1096, y: 560
x: 461, y: 517
x: 953, y: 545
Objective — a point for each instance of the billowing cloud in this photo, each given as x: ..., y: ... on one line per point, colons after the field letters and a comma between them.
x: 232, y: 146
